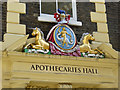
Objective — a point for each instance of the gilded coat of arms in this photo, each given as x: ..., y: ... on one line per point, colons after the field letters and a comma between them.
x: 61, y: 40
x: 64, y: 37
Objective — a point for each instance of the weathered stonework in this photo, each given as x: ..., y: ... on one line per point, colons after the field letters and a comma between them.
x: 31, y: 19
x: 18, y: 74
x: 16, y: 28
x: 4, y: 16
x: 16, y: 1
x: 100, y: 7
x: 101, y: 37
x: 16, y: 7
x: 83, y: 15
x: 102, y: 27
x: 98, y: 17
x: 13, y: 17
x: 9, y: 39
x: 113, y: 23
x: 97, y: 1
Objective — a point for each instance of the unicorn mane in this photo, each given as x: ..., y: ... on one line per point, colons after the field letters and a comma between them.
x: 81, y: 39
x: 42, y: 34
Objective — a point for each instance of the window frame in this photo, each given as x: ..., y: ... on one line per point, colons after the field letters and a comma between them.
x: 50, y: 18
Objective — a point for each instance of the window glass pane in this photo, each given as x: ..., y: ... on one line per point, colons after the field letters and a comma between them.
x: 48, y: 7
x: 67, y: 6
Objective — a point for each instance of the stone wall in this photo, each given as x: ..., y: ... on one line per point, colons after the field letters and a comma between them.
x: 3, y: 19
x: 0, y: 20
x: 30, y: 19
x: 112, y: 16
x: 83, y: 14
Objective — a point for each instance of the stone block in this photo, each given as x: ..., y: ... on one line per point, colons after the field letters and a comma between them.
x: 101, y: 37
x: 98, y: 17
x: 97, y: 1
x: 16, y: 7
x: 18, y: 44
x: 13, y: 1
x: 16, y: 28
x: 13, y: 17
x: 100, y: 7
x: 30, y: 40
x: 102, y: 27
x: 95, y: 44
x: 1, y: 46
x: 108, y: 50
x: 9, y: 39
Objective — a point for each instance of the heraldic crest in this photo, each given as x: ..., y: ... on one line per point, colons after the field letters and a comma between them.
x: 61, y: 40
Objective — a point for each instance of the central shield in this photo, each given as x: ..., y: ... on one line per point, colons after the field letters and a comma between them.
x: 64, y: 37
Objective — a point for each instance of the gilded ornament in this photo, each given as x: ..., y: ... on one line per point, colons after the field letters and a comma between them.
x: 40, y: 43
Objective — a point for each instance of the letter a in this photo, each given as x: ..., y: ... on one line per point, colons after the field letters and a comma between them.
x: 33, y: 67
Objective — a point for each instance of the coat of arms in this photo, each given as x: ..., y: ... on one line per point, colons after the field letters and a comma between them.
x: 64, y: 37
x: 61, y: 40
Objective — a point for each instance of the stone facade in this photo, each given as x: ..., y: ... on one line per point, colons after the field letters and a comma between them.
x: 83, y: 15
x: 30, y: 20
x: 0, y: 20
x: 112, y: 16
x: 4, y: 14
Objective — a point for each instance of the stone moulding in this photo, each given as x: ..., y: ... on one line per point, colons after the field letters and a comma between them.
x: 20, y: 68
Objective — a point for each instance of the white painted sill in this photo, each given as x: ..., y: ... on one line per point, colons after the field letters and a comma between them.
x: 50, y: 18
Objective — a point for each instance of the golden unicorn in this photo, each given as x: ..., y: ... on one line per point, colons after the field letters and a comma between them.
x: 85, y: 47
x: 40, y: 43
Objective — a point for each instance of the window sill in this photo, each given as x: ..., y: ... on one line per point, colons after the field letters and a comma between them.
x: 50, y: 18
